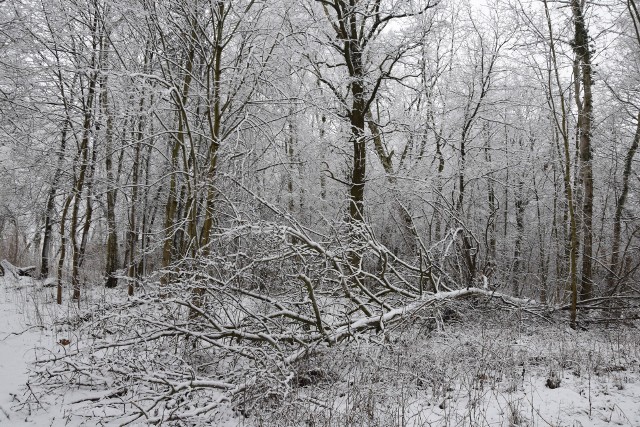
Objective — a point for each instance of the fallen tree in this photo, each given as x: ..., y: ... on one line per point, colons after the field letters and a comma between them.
x: 235, y: 323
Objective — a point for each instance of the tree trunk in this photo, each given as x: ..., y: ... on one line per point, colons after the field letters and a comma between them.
x: 77, y: 191
x: 132, y: 234
x: 542, y: 265
x: 517, y: 252
x: 171, y: 206
x: 51, y: 204
x: 585, y: 112
x: 88, y: 213
x: 614, y: 265
x: 111, y: 194
x: 214, y: 117
x: 563, y: 129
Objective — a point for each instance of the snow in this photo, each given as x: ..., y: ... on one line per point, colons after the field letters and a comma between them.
x: 17, y: 341
x: 23, y: 316
x: 599, y: 376
x: 467, y: 375
x: 538, y: 405
x: 26, y: 306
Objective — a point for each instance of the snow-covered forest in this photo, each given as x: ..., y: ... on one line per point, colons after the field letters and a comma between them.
x: 232, y: 211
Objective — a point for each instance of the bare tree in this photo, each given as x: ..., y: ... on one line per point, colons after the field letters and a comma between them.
x: 358, y: 45
x: 613, y: 276
x: 561, y: 120
x: 583, y: 74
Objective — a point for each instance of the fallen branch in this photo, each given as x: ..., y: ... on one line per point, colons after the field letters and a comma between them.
x: 6, y: 268
x: 96, y: 397
x: 22, y: 332
x: 598, y: 303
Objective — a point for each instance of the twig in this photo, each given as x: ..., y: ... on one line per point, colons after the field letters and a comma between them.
x: 20, y: 333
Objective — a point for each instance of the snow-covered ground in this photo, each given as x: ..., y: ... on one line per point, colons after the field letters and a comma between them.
x: 26, y: 316
x: 18, y: 337
x: 481, y: 372
x: 465, y: 375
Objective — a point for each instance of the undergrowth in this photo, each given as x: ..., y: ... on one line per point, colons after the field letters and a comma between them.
x: 485, y: 368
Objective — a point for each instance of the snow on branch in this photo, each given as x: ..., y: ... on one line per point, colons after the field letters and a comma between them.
x: 268, y: 295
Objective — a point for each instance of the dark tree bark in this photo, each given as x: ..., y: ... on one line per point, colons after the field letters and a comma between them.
x: 111, y: 195
x: 356, y: 26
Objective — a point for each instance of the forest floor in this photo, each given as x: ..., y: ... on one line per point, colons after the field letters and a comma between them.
x: 20, y: 334
x: 495, y: 369
x: 456, y: 366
